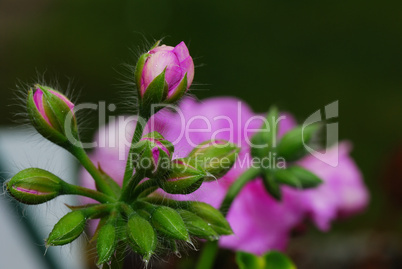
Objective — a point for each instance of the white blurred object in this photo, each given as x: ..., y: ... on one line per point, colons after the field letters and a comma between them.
x: 21, y: 148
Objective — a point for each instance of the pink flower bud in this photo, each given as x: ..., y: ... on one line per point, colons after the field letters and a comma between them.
x: 153, y: 154
x: 51, y: 113
x: 38, y: 98
x: 177, y: 62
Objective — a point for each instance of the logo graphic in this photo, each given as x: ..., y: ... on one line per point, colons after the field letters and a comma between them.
x: 332, y: 131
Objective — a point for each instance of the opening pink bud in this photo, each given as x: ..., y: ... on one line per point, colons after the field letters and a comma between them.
x: 156, y: 146
x: 177, y: 62
x: 52, y: 115
x: 38, y: 98
x: 34, y: 186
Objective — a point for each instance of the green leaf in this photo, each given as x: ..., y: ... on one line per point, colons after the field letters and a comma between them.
x: 247, y: 260
x: 155, y: 93
x: 138, y: 71
x: 179, y: 91
x: 278, y: 260
x: 271, y: 260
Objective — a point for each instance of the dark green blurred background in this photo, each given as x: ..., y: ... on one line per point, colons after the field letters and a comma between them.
x: 300, y: 55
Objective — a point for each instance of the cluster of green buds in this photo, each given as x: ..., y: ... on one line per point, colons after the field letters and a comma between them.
x: 136, y: 214
x: 288, y: 150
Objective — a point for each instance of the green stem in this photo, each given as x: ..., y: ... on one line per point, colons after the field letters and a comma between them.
x: 100, y: 181
x: 98, y: 210
x: 78, y: 190
x: 208, y: 255
x: 236, y: 187
x: 209, y: 252
x: 128, y: 173
x: 128, y: 190
x: 147, y: 192
x: 127, y: 209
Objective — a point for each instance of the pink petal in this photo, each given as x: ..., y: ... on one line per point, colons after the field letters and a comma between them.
x: 161, y: 48
x: 343, y: 190
x: 188, y: 67
x: 38, y: 100
x: 181, y: 51
x: 155, y: 65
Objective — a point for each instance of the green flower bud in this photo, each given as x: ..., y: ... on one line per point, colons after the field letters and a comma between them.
x: 292, y: 145
x: 265, y: 141
x: 185, y: 177
x: 106, y: 243
x: 152, y: 155
x: 208, y: 213
x: 34, y: 186
x: 169, y: 223
x: 197, y: 226
x: 297, y: 177
x: 67, y: 229
x: 141, y: 236
x: 216, y: 157
x: 211, y: 215
x: 271, y: 186
x: 51, y: 113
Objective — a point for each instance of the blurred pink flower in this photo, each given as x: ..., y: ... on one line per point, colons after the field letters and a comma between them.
x: 259, y: 222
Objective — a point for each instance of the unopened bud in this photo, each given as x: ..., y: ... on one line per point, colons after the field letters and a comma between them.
x: 297, y: 177
x: 67, y: 229
x: 211, y: 215
x: 34, y: 186
x: 152, y: 154
x: 52, y: 115
x: 106, y: 243
x: 216, y: 157
x: 169, y: 223
x: 185, y: 177
x: 293, y: 144
x: 141, y: 236
x: 197, y: 226
x: 163, y: 75
x: 271, y: 185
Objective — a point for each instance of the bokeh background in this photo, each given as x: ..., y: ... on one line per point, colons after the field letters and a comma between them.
x: 300, y: 55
